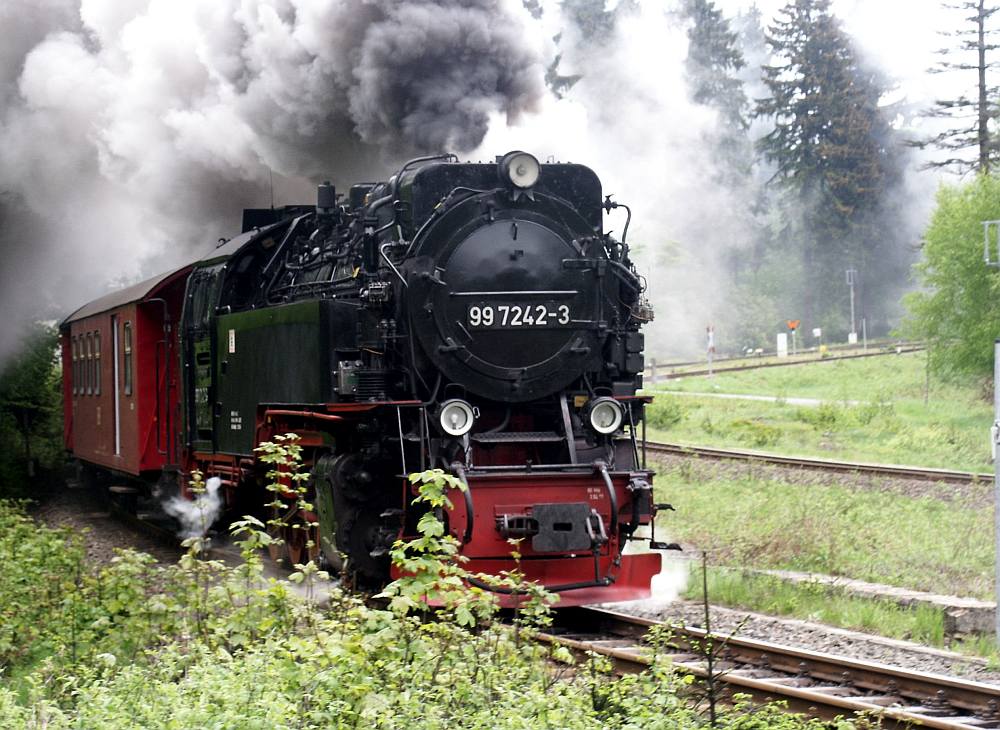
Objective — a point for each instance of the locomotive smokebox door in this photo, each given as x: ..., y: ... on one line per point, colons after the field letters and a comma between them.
x: 510, y: 307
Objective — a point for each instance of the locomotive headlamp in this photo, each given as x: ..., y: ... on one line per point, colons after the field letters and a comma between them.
x: 605, y: 415
x: 456, y: 417
x: 520, y: 169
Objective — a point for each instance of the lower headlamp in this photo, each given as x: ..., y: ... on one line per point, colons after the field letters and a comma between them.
x: 605, y: 415
x: 456, y: 417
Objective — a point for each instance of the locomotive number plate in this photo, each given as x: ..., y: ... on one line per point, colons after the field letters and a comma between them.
x: 534, y: 315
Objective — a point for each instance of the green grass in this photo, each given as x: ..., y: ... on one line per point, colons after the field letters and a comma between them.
x: 812, y: 602
x: 872, y: 410
x: 927, y: 543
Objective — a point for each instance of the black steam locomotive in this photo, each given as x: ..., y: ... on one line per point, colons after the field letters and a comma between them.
x: 471, y: 317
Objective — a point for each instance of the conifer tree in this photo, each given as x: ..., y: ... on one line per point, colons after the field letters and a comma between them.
x: 973, y: 117
x: 749, y: 27
x: 29, y: 394
x: 595, y: 21
x: 713, y: 62
x: 833, y: 150
x: 594, y: 24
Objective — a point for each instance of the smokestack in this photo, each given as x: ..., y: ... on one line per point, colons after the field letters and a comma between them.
x: 326, y: 198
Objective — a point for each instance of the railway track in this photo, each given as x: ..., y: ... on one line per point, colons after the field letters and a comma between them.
x: 876, y: 346
x: 816, y: 684
x: 828, y: 465
x: 657, y: 376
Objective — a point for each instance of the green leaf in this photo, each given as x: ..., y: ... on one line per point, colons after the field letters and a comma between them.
x: 430, y: 526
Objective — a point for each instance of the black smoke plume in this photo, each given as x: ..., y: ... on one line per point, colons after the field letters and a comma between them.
x: 132, y: 132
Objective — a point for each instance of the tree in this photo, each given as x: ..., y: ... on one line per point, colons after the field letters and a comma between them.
x: 956, y: 312
x: 749, y: 27
x: 713, y: 62
x: 712, y: 68
x: 973, y: 116
x: 29, y: 395
x: 593, y: 18
x: 594, y: 25
x: 833, y: 149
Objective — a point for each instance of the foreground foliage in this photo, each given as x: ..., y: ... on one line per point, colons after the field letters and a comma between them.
x: 198, y: 644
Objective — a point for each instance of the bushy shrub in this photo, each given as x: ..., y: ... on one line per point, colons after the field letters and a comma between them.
x: 665, y: 412
x: 865, y: 413
x: 824, y: 417
x: 754, y: 432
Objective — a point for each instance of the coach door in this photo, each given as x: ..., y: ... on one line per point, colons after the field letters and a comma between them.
x: 116, y: 383
x: 199, y: 356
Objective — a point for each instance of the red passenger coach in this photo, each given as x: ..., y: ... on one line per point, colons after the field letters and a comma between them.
x: 120, y: 380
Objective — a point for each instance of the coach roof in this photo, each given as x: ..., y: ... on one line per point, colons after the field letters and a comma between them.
x: 148, y: 288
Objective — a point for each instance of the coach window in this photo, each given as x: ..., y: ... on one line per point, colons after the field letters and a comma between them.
x: 97, y: 363
x: 88, y: 361
x: 128, y: 358
x: 72, y: 349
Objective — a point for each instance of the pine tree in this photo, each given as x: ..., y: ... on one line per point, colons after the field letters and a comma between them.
x: 534, y: 8
x: 592, y: 17
x: 833, y: 150
x: 713, y: 62
x: 594, y: 26
x: 711, y: 67
x: 749, y: 28
x: 973, y: 117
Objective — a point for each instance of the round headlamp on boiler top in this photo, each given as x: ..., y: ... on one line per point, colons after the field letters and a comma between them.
x: 520, y: 169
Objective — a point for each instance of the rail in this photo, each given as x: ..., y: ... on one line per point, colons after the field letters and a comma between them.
x: 915, y: 473
x: 655, y: 374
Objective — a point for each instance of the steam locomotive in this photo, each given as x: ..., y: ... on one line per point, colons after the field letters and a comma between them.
x: 469, y: 317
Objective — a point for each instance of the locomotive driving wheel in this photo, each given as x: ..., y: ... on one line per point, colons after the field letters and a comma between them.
x: 295, y: 544
x: 275, y: 530
x: 293, y: 540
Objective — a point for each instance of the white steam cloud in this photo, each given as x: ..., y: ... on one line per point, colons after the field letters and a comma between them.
x: 132, y: 131
x: 196, y: 515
